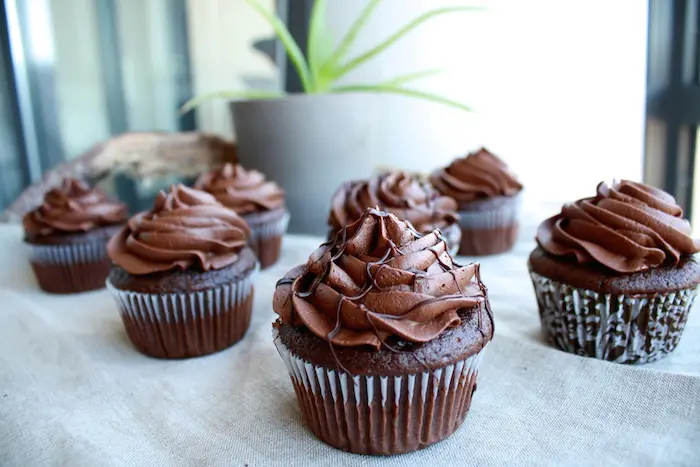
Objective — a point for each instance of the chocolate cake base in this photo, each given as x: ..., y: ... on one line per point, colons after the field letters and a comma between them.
x: 188, y: 313
x: 387, y: 402
x: 595, y: 277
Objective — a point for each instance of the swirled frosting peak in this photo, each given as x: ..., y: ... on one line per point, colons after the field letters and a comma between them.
x: 627, y: 227
x: 244, y: 191
x: 398, y: 193
x: 186, y: 228
x: 73, y: 207
x: 478, y: 175
x: 379, y: 279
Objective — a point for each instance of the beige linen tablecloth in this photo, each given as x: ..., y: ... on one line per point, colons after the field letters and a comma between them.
x: 74, y: 392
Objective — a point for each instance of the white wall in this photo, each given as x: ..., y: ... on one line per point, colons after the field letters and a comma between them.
x: 559, y: 86
x: 221, y: 36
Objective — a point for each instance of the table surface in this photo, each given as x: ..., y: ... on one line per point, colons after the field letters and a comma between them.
x: 73, y: 391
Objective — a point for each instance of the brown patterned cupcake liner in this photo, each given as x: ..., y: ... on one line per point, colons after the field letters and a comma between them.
x: 183, y: 325
x: 637, y: 328
x: 266, y: 239
x: 382, y: 415
x: 65, y: 269
x: 490, y: 231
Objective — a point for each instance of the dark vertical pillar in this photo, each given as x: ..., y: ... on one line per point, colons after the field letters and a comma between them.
x: 673, y: 93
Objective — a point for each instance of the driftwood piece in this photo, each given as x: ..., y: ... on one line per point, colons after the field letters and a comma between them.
x: 140, y: 155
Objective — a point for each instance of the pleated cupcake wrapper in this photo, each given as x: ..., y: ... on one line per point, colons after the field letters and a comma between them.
x: 503, y: 216
x: 180, y: 325
x: 452, y: 238
x: 60, y: 255
x: 270, y: 229
x: 617, y: 328
x: 382, y: 414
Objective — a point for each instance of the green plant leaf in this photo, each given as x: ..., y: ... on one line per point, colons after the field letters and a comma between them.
x: 354, y: 63
x: 319, y: 45
x: 196, y: 101
x: 388, y: 89
x: 408, y: 77
x: 290, y: 45
x: 350, y: 37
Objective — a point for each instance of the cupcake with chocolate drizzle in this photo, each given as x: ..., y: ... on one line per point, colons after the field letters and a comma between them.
x: 260, y: 202
x: 67, y: 235
x: 401, y: 194
x: 488, y: 194
x: 382, y: 333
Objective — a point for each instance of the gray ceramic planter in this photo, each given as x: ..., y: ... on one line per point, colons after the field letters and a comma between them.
x: 309, y: 144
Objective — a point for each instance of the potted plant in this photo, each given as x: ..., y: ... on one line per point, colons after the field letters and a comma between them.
x: 312, y: 141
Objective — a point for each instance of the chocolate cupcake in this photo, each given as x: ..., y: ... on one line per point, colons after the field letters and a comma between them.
x: 488, y: 195
x: 401, y: 194
x: 615, y: 275
x: 382, y: 334
x: 67, y: 236
x: 182, y: 277
x: 259, y: 202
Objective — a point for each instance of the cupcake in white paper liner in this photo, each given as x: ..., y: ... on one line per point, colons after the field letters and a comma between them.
x: 489, y: 199
x: 615, y: 275
x: 382, y: 335
x: 67, y: 235
x: 260, y: 202
x: 183, y: 276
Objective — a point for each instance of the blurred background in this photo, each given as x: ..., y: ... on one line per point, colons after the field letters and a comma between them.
x: 568, y: 93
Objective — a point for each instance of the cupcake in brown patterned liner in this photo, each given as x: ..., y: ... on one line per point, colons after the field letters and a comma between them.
x: 615, y: 275
x: 382, y: 334
x: 182, y: 277
x: 489, y: 198
x: 259, y: 202
x: 401, y: 194
x: 67, y: 236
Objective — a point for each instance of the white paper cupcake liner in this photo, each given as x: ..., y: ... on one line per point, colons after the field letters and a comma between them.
x: 382, y: 414
x: 266, y: 239
x: 59, y: 255
x: 271, y: 229
x: 452, y: 235
x: 181, y: 325
x: 617, y: 328
x: 505, y: 215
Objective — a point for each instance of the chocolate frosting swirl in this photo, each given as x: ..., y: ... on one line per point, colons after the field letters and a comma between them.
x: 244, y: 191
x: 186, y: 228
x: 628, y: 227
x: 398, y: 193
x: 378, y: 279
x: 71, y: 208
x: 478, y: 175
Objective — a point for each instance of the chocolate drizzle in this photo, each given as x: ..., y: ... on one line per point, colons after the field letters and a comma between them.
x: 375, y: 283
